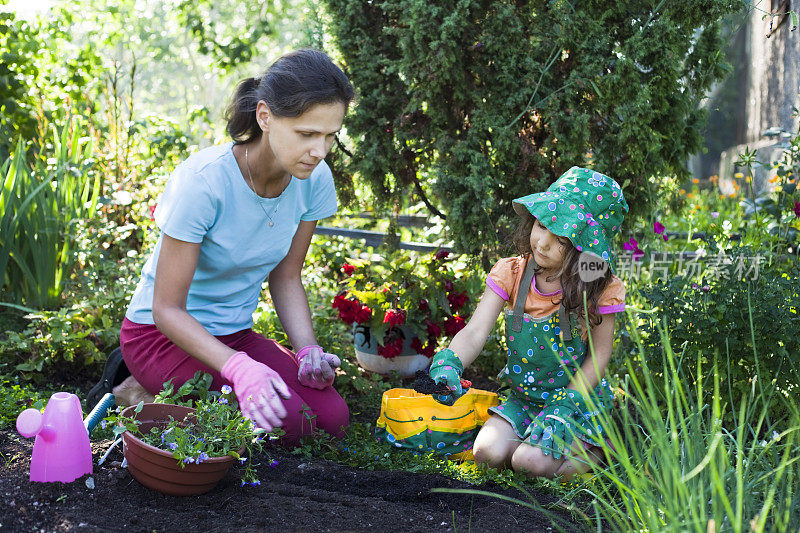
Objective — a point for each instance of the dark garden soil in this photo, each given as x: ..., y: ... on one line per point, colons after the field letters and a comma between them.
x: 296, y: 495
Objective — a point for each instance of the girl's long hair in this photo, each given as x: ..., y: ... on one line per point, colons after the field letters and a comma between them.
x: 572, y: 286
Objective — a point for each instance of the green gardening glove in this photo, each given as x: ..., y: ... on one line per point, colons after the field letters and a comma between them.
x: 554, y: 428
x: 446, y: 368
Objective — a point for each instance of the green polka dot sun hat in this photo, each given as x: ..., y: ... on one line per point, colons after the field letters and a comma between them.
x: 585, y: 206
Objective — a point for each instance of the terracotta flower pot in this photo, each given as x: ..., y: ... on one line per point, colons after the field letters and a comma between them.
x: 406, y: 364
x: 157, y: 469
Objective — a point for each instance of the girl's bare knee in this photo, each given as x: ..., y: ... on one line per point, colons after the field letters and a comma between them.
x: 494, y: 456
x: 534, y: 462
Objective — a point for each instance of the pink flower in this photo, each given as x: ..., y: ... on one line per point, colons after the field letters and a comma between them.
x: 152, y: 209
x: 714, y: 214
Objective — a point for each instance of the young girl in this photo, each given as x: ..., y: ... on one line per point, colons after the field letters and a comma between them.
x: 565, y: 240
x: 232, y: 216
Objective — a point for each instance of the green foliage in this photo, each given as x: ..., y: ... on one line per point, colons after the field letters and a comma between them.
x: 773, y: 210
x: 476, y: 103
x: 15, y: 398
x: 742, y: 321
x: 19, y: 43
x: 55, y: 341
x: 676, y: 466
x: 234, y: 41
x: 40, y: 205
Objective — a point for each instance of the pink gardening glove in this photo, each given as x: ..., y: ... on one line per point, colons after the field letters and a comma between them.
x: 257, y: 387
x: 317, y: 368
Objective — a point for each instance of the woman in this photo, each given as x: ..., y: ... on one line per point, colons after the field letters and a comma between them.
x: 232, y: 216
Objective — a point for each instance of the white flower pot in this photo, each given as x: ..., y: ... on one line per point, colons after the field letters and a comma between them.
x: 406, y: 364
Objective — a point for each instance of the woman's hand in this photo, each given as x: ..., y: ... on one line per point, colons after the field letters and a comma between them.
x: 258, y: 389
x: 317, y: 368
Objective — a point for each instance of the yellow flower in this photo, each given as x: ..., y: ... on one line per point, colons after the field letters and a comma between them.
x: 749, y: 179
x: 774, y: 179
x: 683, y: 191
x: 738, y: 175
x: 689, y: 195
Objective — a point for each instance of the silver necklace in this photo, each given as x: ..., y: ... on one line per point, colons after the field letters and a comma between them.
x: 258, y: 200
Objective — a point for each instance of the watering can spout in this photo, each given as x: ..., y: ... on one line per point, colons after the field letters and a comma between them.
x: 61, y: 451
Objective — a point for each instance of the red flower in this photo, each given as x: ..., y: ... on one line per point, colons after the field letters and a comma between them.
x: 394, y: 317
x: 797, y: 209
x: 348, y: 269
x: 448, y: 285
x: 441, y: 254
x: 430, y: 348
x: 391, y: 348
x: 350, y: 309
x: 363, y: 314
x: 453, y: 325
x: 423, y: 304
x: 457, y: 301
x: 152, y: 209
x: 416, y: 345
x: 434, y: 331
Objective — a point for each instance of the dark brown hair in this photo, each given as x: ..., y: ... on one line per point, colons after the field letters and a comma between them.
x: 292, y: 85
x: 572, y: 286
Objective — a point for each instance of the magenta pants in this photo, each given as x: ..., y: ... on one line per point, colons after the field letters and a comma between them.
x: 154, y: 359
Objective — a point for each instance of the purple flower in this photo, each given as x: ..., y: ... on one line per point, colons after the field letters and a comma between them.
x: 273, y: 463
x: 223, y: 400
x: 242, y: 459
x: 659, y: 228
x: 103, y: 424
x: 633, y: 246
x: 173, y: 445
x: 188, y: 460
x: 714, y: 214
x: 202, y: 457
x: 226, y: 389
x: 705, y: 288
x: 797, y: 209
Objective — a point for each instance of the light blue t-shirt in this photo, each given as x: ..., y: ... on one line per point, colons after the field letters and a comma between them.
x: 207, y: 201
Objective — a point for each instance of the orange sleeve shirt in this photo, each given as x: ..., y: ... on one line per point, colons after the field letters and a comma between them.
x: 506, y: 275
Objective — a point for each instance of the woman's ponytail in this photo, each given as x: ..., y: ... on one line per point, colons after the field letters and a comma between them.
x: 241, y: 112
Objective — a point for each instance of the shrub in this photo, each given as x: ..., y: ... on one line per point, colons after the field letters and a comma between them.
x: 714, y: 316
x: 470, y: 104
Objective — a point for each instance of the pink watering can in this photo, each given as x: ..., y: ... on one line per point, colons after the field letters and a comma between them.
x: 61, y: 451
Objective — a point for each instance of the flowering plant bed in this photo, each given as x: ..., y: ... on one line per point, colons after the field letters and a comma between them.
x: 426, y: 294
x: 207, y: 426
